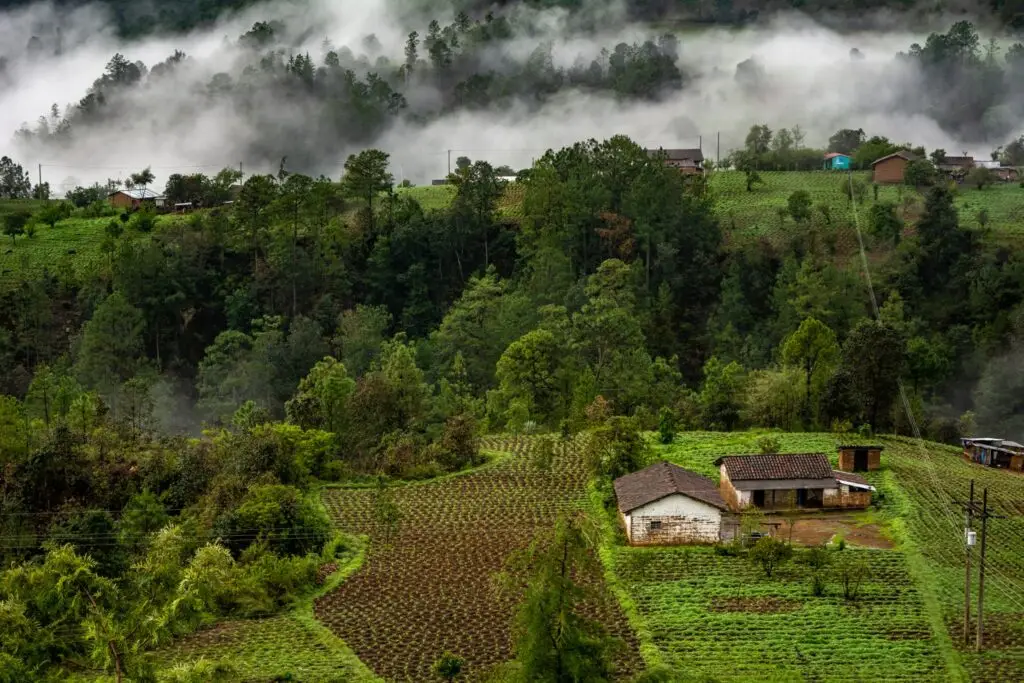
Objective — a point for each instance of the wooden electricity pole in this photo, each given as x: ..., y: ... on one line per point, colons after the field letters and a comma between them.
x: 969, y: 509
x: 972, y: 509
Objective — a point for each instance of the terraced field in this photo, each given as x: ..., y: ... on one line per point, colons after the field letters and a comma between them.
x: 719, y: 616
x: 428, y: 588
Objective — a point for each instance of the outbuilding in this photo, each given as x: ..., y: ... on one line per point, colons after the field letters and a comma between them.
x: 860, y: 458
x: 665, y: 504
x: 994, y: 452
x: 892, y: 167
x: 134, y: 198
x: 834, y: 161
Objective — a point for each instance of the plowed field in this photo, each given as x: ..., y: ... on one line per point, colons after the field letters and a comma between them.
x: 429, y: 587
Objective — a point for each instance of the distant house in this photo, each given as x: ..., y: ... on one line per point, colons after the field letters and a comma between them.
x: 690, y: 161
x: 834, y: 161
x: 665, y: 504
x: 780, y: 482
x: 890, y: 168
x: 1008, y: 174
x: 860, y: 458
x: 994, y: 452
x: 956, y: 167
x: 135, y: 198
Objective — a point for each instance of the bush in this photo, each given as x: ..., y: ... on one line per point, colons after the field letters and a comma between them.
x: 277, y: 514
x: 448, y: 666
x: 770, y: 553
x: 768, y: 444
x: 817, y: 559
x: 666, y: 425
x: 852, y: 573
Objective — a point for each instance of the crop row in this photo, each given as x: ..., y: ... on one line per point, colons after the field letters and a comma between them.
x: 721, y: 616
x: 428, y: 582
x: 265, y: 649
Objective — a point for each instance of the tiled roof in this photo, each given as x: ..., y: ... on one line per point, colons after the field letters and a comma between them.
x: 776, y: 466
x: 664, y: 479
x: 902, y: 154
x: 678, y: 154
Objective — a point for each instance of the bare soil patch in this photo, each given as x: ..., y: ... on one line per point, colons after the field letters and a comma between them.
x: 818, y: 529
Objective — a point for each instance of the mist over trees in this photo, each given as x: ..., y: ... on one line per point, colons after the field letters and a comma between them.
x: 315, y: 106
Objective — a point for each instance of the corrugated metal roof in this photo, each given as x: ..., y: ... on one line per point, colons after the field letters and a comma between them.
x: 138, y: 193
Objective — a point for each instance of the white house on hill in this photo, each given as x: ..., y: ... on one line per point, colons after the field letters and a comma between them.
x: 665, y: 504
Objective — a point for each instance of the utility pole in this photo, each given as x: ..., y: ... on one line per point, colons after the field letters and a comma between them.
x: 981, y: 569
x: 700, y: 142
x: 718, y: 150
x: 40, y: 175
x: 971, y: 508
x: 449, y: 162
x: 969, y: 538
x: 240, y: 172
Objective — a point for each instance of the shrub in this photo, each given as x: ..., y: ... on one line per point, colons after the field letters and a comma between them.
x: 770, y: 553
x: 852, y: 573
x: 666, y: 425
x: 767, y: 444
x: 817, y: 559
x: 448, y: 666
x: 278, y: 514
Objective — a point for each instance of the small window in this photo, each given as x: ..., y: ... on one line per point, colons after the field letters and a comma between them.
x: 655, y: 525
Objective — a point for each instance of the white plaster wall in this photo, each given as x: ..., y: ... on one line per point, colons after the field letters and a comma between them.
x: 683, y: 519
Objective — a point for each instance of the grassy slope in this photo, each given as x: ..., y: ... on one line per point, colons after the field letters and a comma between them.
x: 756, y: 212
x: 73, y: 245
x: 905, y: 627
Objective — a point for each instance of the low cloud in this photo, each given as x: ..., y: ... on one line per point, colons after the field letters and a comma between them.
x: 809, y: 78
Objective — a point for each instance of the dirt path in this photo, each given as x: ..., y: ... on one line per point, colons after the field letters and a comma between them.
x: 431, y: 588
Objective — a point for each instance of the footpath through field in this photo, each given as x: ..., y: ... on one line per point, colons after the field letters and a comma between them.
x: 429, y: 588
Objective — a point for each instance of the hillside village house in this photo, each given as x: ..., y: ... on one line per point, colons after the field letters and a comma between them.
x: 890, y: 168
x: 994, y: 452
x: 666, y: 504
x: 688, y: 161
x: 778, y: 482
x: 834, y: 161
x: 956, y: 167
x: 135, y: 198
x: 860, y: 458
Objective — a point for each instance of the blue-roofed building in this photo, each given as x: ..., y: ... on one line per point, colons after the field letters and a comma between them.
x: 834, y: 161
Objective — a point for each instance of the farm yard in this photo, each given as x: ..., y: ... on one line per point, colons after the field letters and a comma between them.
x: 719, y: 615
x: 428, y: 582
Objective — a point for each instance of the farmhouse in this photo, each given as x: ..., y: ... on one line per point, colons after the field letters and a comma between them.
x: 133, y: 199
x: 890, y: 168
x: 688, y: 161
x: 860, y: 458
x: 995, y: 453
x: 834, y: 161
x: 800, y: 481
x: 666, y: 504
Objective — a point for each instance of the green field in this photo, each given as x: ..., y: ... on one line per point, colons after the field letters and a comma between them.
x: 73, y: 247
x: 757, y: 212
x: 718, y: 615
